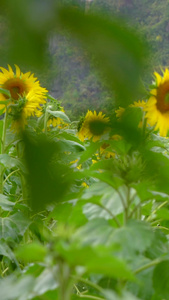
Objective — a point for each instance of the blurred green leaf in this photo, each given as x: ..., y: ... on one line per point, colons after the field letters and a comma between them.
x: 29, y: 23
x: 12, y: 289
x: 5, y: 204
x: 98, y: 260
x: 14, y: 226
x: 71, y: 146
x: 31, y: 252
x: 163, y: 213
x: 143, y: 288
x: 157, y: 170
x: 134, y: 238
x: 95, y: 232
x: 5, y: 92
x: 69, y: 213
x: 10, y: 162
x: 48, y: 178
x: 6, y: 250
x: 117, y: 50
x: 124, y: 295
x: 90, y: 150
x: 36, y: 281
x: 161, y: 279
x: 59, y: 114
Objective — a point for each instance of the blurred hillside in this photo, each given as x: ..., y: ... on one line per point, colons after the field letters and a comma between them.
x: 76, y: 82
x: 69, y: 75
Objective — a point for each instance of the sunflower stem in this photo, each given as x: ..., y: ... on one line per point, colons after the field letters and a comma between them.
x: 65, y: 281
x: 3, y: 149
x: 45, y: 120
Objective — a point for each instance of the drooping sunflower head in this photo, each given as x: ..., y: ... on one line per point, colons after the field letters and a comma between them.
x: 94, y: 126
x: 139, y: 103
x: 19, y: 85
x: 157, y: 108
x: 119, y: 112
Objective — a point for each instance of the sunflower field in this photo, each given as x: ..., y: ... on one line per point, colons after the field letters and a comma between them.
x: 84, y: 204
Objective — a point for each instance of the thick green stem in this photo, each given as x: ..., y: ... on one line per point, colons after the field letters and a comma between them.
x: 45, y: 120
x: 126, y: 209
x: 64, y: 280
x: 3, y: 149
x: 147, y: 266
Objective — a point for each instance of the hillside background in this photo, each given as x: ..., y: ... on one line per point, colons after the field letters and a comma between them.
x: 71, y: 78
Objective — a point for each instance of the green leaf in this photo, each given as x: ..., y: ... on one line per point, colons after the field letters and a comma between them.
x: 35, y: 281
x: 48, y: 178
x: 59, y: 114
x: 134, y: 238
x: 109, y: 178
x: 98, y: 260
x: 31, y: 252
x: 69, y: 213
x: 5, y: 204
x: 13, y: 227
x: 90, y: 150
x: 101, y: 195
x: 95, y: 232
x: 11, y: 162
x: 5, y: 92
x: 124, y: 295
x: 45, y: 279
x: 161, y: 279
x: 157, y: 169
x: 69, y: 136
x: 163, y: 213
x: 12, y: 289
x: 71, y: 146
x: 117, y: 50
x: 6, y: 250
x: 27, y: 43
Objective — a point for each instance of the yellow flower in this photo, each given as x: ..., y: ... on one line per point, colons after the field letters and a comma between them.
x: 139, y: 103
x: 106, y: 153
x: 84, y: 184
x: 93, y: 126
x: 26, y: 107
x: 157, y: 108
x: 119, y: 112
x: 56, y: 121
x: 22, y: 85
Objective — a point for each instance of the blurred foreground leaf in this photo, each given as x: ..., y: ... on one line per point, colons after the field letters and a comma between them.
x: 29, y: 23
x: 118, y: 52
x: 48, y: 178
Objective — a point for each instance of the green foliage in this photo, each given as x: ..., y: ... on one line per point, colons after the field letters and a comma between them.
x: 82, y: 219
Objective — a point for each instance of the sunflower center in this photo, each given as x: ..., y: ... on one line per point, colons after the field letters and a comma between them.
x: 16, y: 87
x: 163, y: 97
x: 97, y: 127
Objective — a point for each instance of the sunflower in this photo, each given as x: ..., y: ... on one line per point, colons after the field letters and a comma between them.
x: 157, y: 108
x: 21, y: 85
x: 56, y: 121
x: 139, y: 103
x: 119, y: 112
x: 93, y: 126
x: 26, y: 107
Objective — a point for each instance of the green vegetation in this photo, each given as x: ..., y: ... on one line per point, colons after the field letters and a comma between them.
x: 84, y: 206
x: 77, y: 78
